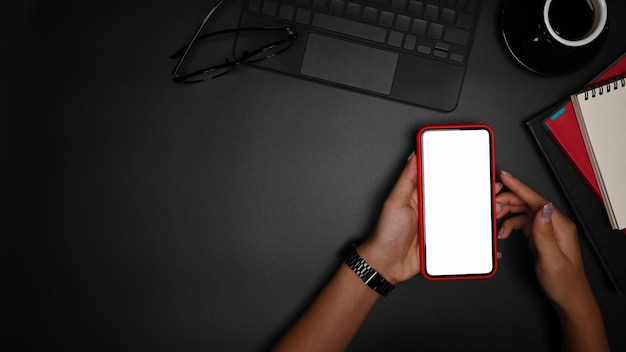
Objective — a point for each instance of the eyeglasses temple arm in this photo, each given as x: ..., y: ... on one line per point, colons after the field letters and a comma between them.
x: 193, y: 39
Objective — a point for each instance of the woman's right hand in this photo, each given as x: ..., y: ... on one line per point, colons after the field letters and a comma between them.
x: 552, y: 238
x: 558, y: 263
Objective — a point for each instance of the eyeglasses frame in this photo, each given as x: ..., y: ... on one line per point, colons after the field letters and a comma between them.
x: 177, y: 78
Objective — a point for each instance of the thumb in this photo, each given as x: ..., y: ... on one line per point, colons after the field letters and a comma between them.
x: 407, y: 181
x: 543, y: 233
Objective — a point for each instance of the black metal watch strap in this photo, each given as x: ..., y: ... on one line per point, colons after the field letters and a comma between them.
x: 370, y: 276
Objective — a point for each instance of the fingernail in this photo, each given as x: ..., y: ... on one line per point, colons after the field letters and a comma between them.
x: 410, y: 157
x: 504, y: 172
x: 546, y: 212
x: 499, y: 207
x: 500, y: 232
x: 499, y: 255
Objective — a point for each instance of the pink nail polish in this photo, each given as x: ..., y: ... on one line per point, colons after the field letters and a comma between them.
x: 506, y: 173
x: 500, y: 232
x: 546, y: 212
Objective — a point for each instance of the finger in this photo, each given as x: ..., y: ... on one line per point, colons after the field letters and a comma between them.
x: 406, y: 185
x: 519, y: 222
x: 543, y: 233
x: 510, y: 198
x: 504, y: 209
x: 509, y: 203
x: 525, y: 193
x: 565, y: 232
x: 499, y: 187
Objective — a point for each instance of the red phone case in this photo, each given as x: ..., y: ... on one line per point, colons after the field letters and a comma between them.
x: 421, y: 210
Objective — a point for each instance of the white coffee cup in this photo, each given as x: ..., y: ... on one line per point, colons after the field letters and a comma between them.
x: 598, y: 24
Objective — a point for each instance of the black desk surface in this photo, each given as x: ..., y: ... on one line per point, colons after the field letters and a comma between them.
x: 148, y: 216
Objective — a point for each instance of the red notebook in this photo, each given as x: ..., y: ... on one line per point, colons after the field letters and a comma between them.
x: 563, y: 127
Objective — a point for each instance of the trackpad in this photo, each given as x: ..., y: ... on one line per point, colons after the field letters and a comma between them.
x: 349, y: 64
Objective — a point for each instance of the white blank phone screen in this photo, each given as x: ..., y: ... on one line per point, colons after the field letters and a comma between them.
x: 457, y: 202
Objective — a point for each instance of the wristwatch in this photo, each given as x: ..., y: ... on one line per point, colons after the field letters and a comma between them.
x: 370, y: 276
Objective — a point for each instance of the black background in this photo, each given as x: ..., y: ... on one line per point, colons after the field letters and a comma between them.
x: 142, y: 215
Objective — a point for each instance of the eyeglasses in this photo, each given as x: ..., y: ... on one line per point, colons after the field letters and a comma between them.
x: 215, y: 71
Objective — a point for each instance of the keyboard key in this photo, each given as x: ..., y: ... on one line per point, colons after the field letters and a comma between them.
x: 448, y: 3
x: 270, y: 8
x: 303, y: 3
x: 348, y: 27
x: 320, y: 5
x: 442, y: 46
x: 386, y: 19
x: 447, y: 15
x: 465, y: 20
x: 286, y: 12
x: 337, y: 6
x: 472, y: 5
x: 398, y: 5
x: 419, y: 27
x: 254, y: 5
x: 440, y: 53
x: 403, y: 23
x: 456, y: 36
x: 395, y: 39
x: 435, y: 30
x: 431, y: 12
x: 424, y: 49
x: 370, y: 14
x: 303, y: 16
x: 415, y: 8
x: 353, y: 10
x: 409, y: 42
x: 456, y: 57
x: 462, y: 4
x: 383, y: 3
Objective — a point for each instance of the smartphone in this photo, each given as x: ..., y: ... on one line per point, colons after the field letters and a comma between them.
x: 456, y: 200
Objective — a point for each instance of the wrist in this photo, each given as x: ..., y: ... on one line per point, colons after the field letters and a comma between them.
x: 377, y: 261
x: 577, y: 305
x: 582, y: 324
x: 368, y: 274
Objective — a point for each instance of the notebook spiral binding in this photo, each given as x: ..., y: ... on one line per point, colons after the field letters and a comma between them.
x: 600, y: 87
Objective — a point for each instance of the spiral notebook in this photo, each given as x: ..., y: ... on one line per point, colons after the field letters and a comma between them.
x: 563, y: 127
x: 601, y: 114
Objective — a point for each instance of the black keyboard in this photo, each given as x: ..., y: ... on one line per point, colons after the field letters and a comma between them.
x: 439, y: 29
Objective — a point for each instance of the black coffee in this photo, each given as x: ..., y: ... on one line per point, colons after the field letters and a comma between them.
x: 571, y: 19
